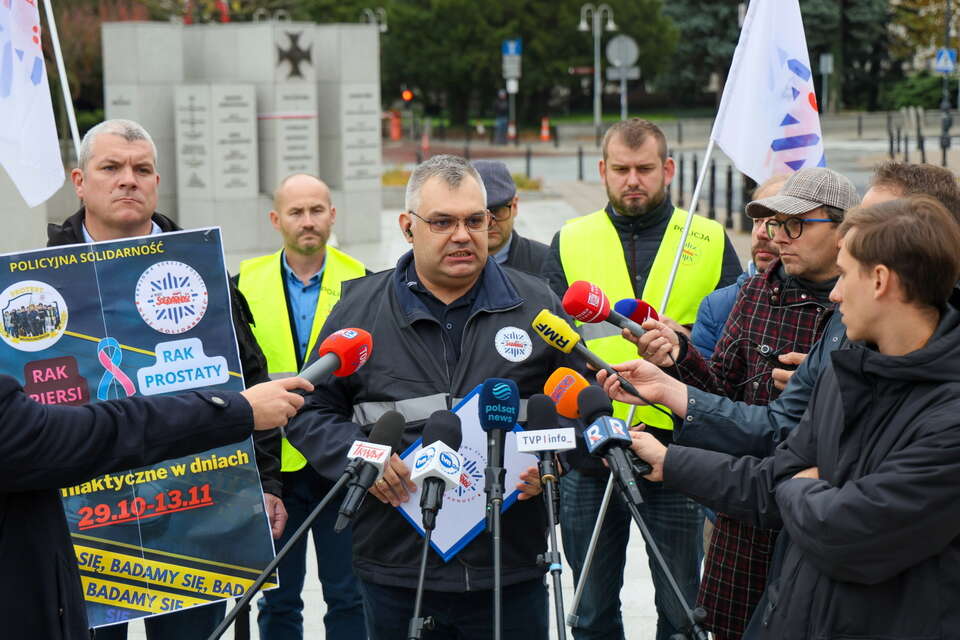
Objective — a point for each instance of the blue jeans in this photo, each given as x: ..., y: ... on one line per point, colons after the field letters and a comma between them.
x: 196, y: 623
x: 281, y: 609
x: 458, y: 615
x: 676, y: 524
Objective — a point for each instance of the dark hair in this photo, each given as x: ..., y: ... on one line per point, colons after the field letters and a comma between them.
x: 920, y: 179
x: 916, y: 238
x: 633, y: 133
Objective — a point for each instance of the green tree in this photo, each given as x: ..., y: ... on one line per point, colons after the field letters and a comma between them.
x: 449, y: 50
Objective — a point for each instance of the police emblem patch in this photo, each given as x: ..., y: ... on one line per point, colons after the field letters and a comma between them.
x: 513, y: 344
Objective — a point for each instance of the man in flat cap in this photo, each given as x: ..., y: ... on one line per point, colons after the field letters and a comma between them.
x: 506, y: 246
x: 773, y: 324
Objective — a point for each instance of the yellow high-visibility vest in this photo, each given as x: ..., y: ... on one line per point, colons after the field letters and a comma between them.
x: 590, y: 249
x: 261, y: 281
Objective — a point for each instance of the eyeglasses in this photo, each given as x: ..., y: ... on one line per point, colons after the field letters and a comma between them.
x: 793, y: 226
x: 501, y: 213
x: 447, y: 225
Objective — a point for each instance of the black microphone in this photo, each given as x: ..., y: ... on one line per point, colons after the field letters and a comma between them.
x: 498, y: 408
x: 368, y: 462
x: 542, y: 415
x: 608, y: 438
x: 438, y: 465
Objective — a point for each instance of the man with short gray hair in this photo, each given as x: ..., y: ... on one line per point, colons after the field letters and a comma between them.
x: 443, y: 321
x: 117, y: 183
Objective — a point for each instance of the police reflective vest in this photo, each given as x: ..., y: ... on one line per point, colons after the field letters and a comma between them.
x: 261, y: 281
x: 583, y: 240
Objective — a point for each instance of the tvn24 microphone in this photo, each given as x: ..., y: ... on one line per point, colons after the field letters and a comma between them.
x: 438, y: 465
x: 586, y: 302
x: 563, y: 386
x: 369, y: 460
x: 342, y: 353
x: 636, y: 309
x: 558, y: 334
x: 607, y: 437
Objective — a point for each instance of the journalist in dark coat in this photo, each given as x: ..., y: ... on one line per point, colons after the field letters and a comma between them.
x: 44, y: 447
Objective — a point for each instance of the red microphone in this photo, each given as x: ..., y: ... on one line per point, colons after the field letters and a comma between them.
x: 587, y: 303
x: 637, y: 310
x: 342, y: 353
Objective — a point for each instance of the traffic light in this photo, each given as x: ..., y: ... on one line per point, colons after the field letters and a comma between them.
x: 407, y: 96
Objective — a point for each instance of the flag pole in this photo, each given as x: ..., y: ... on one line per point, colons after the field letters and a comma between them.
x: 694, y: 201
x: 62, y: 72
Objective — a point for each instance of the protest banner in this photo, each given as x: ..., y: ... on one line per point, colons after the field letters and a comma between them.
x: 150, y: 316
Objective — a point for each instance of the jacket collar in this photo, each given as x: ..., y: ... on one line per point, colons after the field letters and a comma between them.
x: 71, y: 231
x: 496, y: 292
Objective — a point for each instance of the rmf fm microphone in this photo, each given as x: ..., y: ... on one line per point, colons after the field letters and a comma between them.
x: 586, y: 302
x: 563, y: 386
x: 558, y: 334
x: 607, y: 437
x: 437, y: 466
x: 341, y: 353
x: 369, y: 460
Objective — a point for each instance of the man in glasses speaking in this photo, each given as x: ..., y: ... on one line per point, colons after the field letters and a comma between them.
x: 443, y: 321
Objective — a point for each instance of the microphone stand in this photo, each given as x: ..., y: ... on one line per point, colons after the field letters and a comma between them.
x: 692, y: 630
x: 551, y: 559
x: 349, y: 474
x: 418, y: 624
x: 493, y: 487
x: 573, y: 618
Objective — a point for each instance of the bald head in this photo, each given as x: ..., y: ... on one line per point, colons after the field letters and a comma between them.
x: 303, y: 214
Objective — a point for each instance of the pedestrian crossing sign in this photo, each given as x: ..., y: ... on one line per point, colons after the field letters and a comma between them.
x: 945, y: 60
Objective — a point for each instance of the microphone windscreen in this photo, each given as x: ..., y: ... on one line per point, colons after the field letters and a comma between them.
x: 563, y: 386
x: 499, y: 404
x: 555, y: 331
x: 586, y: 302
x: 593, y: 403
x: 636, y: 310
x: 541, y: 413
x: 388, y: 430
x: 444, y: 426
x: 352, y: 347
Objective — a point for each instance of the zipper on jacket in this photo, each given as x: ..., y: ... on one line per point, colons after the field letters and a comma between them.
x: 466, y: 576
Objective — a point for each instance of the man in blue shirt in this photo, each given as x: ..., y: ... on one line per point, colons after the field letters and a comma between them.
x: 290, y: 294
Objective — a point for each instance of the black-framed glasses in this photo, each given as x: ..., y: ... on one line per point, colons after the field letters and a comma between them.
x: 447, y: 225
x: 792, y: 226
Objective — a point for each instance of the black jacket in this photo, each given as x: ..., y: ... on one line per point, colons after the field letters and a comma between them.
x: 527, y: 255
x: 408, y: 364
x: 252, y: 360
x: 872, y: 548
x: 44, y: 447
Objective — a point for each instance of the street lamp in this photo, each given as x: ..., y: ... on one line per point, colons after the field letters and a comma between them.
x: 376, y: 16
x: 596, y: 15
x: 945, y: 120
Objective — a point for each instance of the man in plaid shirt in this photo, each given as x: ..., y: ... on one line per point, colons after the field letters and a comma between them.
x: 775, y: 320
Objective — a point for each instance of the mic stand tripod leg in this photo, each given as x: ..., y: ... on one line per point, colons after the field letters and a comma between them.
x: 692, y: 630
x: 552, y: 558
x: 572, y: 617
x: 494, y: 489
x: 265, y: 574
x: 418, y: 624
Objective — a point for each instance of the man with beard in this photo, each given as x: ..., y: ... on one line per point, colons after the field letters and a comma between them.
x: 628, y: 249
x: 714, y: 309
x: 304, y: 279
x: 776, y: 313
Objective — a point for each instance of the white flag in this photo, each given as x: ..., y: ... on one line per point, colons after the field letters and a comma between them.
x: 768, y: 122
x: 29, y: 149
